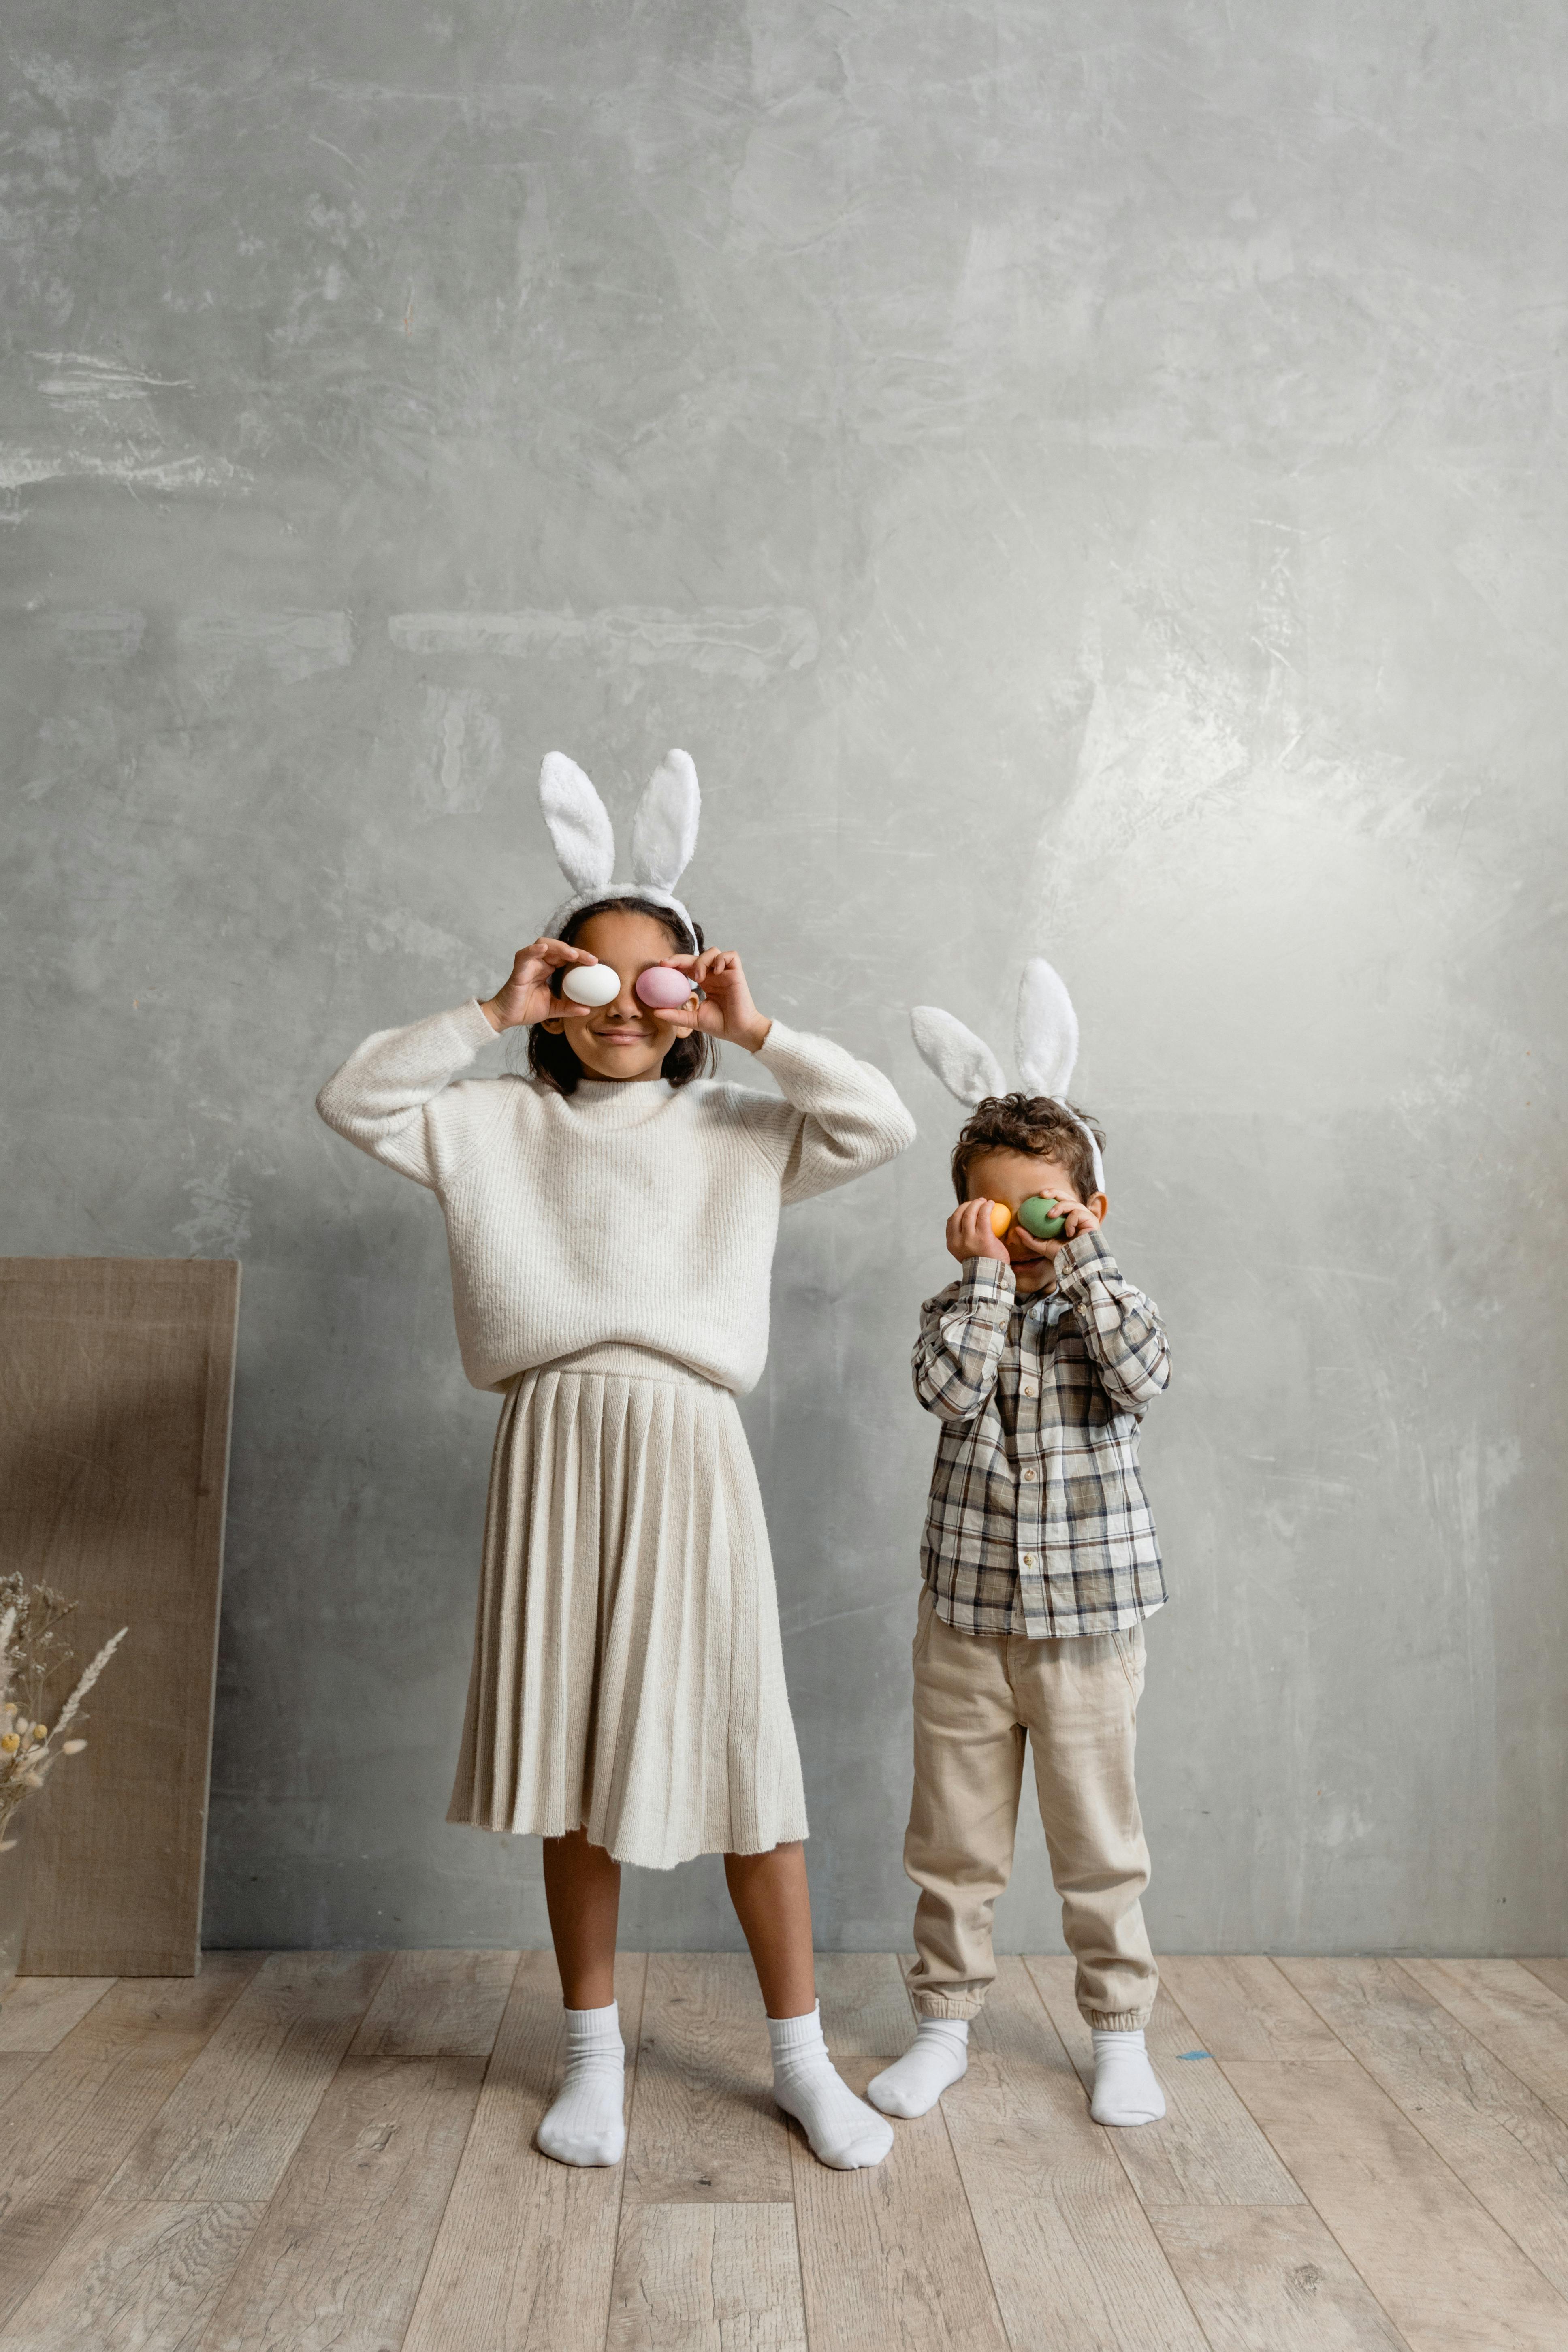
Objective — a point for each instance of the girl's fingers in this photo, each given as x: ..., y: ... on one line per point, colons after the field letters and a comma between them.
x: 711, y: 960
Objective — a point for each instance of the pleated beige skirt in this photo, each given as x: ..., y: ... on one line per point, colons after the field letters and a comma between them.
x: 627, y: 1674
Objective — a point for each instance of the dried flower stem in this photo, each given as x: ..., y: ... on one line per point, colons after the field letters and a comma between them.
x: 27, y: 1747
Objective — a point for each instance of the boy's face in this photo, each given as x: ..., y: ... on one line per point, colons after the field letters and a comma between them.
x: 1011, y: 1177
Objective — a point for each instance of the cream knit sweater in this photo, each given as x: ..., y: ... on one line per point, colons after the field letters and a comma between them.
x: 629, y: 1212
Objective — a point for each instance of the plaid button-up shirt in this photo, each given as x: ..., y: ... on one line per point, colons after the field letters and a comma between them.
x: 1037, y: 1522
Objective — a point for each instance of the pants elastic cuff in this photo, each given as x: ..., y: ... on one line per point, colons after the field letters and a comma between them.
x: 948, y: 2004
x: 1118, y: 2020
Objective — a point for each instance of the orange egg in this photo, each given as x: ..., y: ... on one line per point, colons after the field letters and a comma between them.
x: 1001, y: 1218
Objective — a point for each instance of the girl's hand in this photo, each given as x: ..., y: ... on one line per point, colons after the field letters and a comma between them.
x: 525, y: 997
x: 728, y: 1011
x: 969, y: 1233
x: 1078, y: 1219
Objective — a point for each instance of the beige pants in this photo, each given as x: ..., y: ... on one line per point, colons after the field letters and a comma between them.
x: 976, y: 1697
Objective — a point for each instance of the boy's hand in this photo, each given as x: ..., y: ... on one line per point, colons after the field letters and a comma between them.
x: 1078, y: 1219
x: 969, y: 1233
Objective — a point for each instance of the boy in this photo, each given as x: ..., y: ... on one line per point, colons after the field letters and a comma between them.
x: 1040, y: 1563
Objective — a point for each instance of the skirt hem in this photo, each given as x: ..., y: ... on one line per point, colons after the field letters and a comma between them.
x: 624, y: 1852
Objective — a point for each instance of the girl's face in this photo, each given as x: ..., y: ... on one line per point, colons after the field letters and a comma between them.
x: 622, y: 1039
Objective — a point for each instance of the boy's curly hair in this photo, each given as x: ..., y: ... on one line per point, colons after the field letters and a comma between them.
x: 1045, y: 1129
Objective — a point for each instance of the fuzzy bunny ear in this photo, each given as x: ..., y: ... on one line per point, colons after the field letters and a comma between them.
x: 963, y: 1062
x: 1048, y: 1043
x: 664, y: 830
x: 1047, y: 1030
x: 579, y: 824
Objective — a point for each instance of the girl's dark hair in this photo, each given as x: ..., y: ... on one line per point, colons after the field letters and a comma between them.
x: 1038, y: 1124
x: 552, y: 1059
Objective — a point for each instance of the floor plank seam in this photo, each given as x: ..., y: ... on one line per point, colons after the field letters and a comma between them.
x: 799, y: 2262
x: 1413, y: 2120
x: 621, y: 2167
x: 419, y: 2286
x: 974, y: 2226
x: 1323, y: 2216
x: 1329, y: 2230
x: 1116, y: 2150
x: 1507, y: 2065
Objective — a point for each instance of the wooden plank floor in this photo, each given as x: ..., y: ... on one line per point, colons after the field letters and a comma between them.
x: 333, y: 2152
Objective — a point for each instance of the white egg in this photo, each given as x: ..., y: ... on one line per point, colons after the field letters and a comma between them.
x: 592, y: 984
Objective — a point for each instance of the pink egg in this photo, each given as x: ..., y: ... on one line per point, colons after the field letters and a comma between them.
x: 662, y: 989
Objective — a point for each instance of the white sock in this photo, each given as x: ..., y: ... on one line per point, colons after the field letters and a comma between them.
x: 936, y: 2058
x: 843, y: 2130
x: 1125, y: 2089
x: 583, y: 2122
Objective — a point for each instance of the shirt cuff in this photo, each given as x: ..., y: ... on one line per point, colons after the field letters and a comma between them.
x: 987, y: 1279
x: 1085, y: 1255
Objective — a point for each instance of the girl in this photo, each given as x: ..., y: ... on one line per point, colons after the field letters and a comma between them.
x: 611, y: 1220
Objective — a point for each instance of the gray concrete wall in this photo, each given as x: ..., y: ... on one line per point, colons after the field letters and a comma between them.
x: 1079, y: 475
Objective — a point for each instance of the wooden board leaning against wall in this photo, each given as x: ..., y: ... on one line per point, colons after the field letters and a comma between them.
x: 116, y: 1384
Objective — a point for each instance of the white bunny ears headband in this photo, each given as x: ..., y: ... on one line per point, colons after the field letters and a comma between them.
x: 664, y: 834
x: 1046, y: 1048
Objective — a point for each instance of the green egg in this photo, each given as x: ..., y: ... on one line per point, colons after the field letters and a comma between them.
x: 1038, y: 1216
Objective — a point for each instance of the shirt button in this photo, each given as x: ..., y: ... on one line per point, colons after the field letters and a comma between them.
x: 1028, y: 1560
x: 1029, y: 1478
x: 1029, y: 1389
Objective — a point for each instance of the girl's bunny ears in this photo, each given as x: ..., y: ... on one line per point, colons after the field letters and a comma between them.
x: 1046, y: 1048
x: 664, y: 834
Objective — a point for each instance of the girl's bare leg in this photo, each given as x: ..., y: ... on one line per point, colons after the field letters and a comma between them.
x: 773, y: 1904
x: 582, y: 1893
x: 585, y: 2122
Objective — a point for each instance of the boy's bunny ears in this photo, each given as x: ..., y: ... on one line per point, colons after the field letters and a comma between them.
x: 664, y: 834
x: 1046, y: 1048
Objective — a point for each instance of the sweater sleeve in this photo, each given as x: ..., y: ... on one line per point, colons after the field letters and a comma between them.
x: 839, y: 1118
x: 395, y: 1095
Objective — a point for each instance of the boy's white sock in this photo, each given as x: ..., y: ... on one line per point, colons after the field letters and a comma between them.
x: 583, y: 2122
x: 936, y: 2058
x: 1125, y: 2089
x: 843, y: 2130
